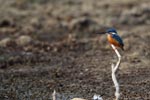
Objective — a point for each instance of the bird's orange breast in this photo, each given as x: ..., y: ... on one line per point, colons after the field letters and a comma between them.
x: 113, y: 41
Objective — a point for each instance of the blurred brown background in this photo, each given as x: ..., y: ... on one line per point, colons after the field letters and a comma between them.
x: 51, y: 44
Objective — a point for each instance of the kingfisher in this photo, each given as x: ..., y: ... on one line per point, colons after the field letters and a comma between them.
x: 114, y: 38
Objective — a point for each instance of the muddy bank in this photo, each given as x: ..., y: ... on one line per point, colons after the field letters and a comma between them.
x: 48, y: 44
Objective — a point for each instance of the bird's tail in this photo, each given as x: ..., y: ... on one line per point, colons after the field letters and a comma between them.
x: 122, y: 48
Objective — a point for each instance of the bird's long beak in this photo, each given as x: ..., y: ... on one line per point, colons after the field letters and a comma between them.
x: 100, y: 32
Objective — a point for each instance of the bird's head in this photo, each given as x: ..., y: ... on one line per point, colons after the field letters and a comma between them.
x: 111, y: 30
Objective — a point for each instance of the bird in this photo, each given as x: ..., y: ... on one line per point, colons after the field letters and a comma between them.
x: 114, y: 38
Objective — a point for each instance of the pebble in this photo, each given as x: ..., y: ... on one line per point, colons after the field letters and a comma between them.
x: 4, y: 42
x: 23, y: 40
x: 78, y: 99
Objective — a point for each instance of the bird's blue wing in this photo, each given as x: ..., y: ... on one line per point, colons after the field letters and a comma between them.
x: 119, y: 40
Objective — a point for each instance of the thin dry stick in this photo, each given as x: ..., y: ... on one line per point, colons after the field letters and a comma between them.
x: 97, y: 97
x: 114, y: 69
x: 54, y: 95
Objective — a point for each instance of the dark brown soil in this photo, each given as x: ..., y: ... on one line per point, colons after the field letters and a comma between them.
x: 62, y: 51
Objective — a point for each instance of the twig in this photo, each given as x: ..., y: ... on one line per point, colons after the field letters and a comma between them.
x: 54, y: 95
x: 97, y: 97
x: 114, y: 69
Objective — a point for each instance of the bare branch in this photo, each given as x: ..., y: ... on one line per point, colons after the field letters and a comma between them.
x: 54, y: 95
x: 97, y: 97
x: 114, y: 69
